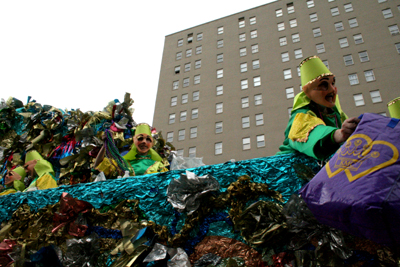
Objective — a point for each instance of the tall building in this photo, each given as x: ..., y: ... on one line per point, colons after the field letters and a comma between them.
x: 226, y: 87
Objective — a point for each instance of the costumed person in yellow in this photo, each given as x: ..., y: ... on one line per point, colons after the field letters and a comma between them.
x: 317, y: 126
x: 14, y: 181
x: 142, y: 158
x: 40, y: 171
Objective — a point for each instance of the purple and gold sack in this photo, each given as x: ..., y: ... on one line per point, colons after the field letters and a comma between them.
x: 358, y: 190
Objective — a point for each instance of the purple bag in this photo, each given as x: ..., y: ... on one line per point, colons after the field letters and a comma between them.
x: 358, y: 190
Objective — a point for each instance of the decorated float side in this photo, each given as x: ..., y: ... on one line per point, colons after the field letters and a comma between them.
x: 272, y: 211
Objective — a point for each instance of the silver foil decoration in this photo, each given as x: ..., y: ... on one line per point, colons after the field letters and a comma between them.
x: 180, y: 259
x: 185, y: 193
x: 159, y: 252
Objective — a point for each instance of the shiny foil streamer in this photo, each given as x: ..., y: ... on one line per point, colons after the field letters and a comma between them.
x: 226, y: 247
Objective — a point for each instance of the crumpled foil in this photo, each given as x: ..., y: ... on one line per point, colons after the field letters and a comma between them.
x: 81, y: 252
x: 208, y: 259
x: 185, y: 193
x: 179, y: 162
x: 180, y: 259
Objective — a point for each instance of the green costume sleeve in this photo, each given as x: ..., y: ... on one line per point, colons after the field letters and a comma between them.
x: 19, y: 186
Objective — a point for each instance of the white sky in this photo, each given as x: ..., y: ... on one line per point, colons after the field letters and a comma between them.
x: 83, y: 54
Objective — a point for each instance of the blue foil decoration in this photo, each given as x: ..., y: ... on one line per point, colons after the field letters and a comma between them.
x: 103, y: 232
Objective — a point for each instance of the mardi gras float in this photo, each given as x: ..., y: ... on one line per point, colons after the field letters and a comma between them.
x: 268, y: 211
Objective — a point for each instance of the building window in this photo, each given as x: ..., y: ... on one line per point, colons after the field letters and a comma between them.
x: 326, y: 63
x: 187, y: 67
x: 348, y: 7
x: 177, y: 69
x: 199, y: 36
x: 259, y: 119
x: 334, y: 11
x: 256, y: 64
x: 220, y: 43
x: 258, y: 99
x: 175, y: 85
x: 242, y: 51
x: 348, y: 60
x: 253, y: 20
x: 310, y: 3
x: 287, y: 74
x: 219, y: 89
x: 179, y: 152
x: 243, y: 67
x: 260, y: 140
x: 358, y: 39
x: 285, y: 56
x: 246, y: 143
x: 197, y: 64
x: 279, y: 12
x: 289, y: 93
x: 242, y: 37
x: 199, y: 49
x: 295, y: 37
x: 245, y: 102
x: 343, y: 42
x: 178, y: 55
x: 197, y: 79
x: 189, y: 53
x: 298, y: 71
x: 171, y: 118
x: 242, y: 23
x: 281, y: 26
x: 220, y: 73
x: 181, y: 135
x: 359, y: 100
x: 290, y: 111
x: 375, y: 96
x: 363, y: 56
x: 193, y: 132
x: 253, y: 34
x: 180, y: 42
x: 298, y: 53
x: 313, y: 17
x: 317, y: 32
x: 254, y: 48
x: 196, y: 96
x: 369, y: 75
x: 339, y: 26
x: 219, y: 108
x: 394, y: 29
x: 218, y: 148
x: 220, y: 30
x: 186, y: 82
x: 218, y: 127
x: 246, y: 122
x: 257, y: 81
x: 244, y: 84
x: 282, y: 41
x: 174, y: 101
x: 220, y: 58
x: 353, y: 79
x: 353, y: 23
x: 192, y: 152
x: 170, y: 137
x: 320, y: 48
x: 184, y: 98
x: 290, y: 8
x: 387, y: 13
x: 293, y: 23
x: 397, y: 47
x: 381, y: 1
x: 190, y: 38
x: 183, y: 116
x: 331, y: 0
x: 195, y: 113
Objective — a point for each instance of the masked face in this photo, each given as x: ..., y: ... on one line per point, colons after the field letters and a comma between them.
x: 323, y: 91
x: 30, y: 167
x: 143, y: 143
x: 11, y: 176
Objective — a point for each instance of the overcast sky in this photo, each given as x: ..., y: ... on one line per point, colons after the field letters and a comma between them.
x: 83, y: 54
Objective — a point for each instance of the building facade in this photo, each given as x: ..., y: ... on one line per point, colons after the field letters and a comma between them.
x: 226, y: 87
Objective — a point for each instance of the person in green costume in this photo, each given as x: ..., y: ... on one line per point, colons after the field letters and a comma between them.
x: 14, y: 181
x: 141, y: 157
x: 317, y: 126
x: 40, y: 171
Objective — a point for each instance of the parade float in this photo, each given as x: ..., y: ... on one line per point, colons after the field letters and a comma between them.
x: 287, y: 210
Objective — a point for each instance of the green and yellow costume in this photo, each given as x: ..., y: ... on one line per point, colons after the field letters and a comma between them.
x: 17, y: 185
x: 45, y: 178
x: 311, y: 126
